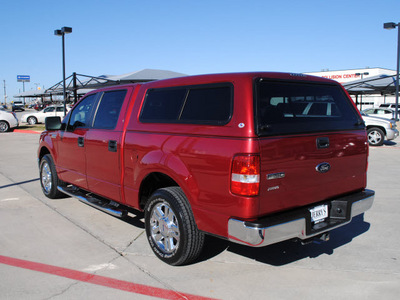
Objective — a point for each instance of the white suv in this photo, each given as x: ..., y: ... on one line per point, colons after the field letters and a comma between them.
x: 379, y: 129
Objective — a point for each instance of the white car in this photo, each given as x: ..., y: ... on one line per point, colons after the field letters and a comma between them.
x: 40, y: 116
x: 8, y: 120
x: 386, y: 113
x: 379, y: 130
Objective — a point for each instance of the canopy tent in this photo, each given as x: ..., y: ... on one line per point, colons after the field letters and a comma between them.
x: 31, y: 93
x: 78, y: 84
x: 145, y: 75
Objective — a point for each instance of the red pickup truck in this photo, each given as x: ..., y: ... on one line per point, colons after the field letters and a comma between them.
x: 256, y: 158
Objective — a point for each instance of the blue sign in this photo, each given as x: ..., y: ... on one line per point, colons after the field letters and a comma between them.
x: 23, y: 78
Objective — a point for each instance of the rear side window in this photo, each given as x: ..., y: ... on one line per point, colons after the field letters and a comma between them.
x: 210, y: 104
x: 108, y: 110
x: 297, y: 107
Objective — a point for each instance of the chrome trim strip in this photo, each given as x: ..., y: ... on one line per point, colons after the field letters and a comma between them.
x: 89, y: 201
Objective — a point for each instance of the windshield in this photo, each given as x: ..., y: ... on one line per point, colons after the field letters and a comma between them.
x: 298, y: 107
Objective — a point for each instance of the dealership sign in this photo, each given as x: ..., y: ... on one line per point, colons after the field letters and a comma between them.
x: 23, y: 78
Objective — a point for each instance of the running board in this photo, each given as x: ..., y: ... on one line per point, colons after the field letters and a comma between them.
x: 106, y: 206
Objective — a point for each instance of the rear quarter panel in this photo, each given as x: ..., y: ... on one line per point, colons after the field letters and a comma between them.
x: 197, y: 157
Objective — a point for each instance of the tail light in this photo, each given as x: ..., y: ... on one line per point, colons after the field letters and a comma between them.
x: 245, y: 177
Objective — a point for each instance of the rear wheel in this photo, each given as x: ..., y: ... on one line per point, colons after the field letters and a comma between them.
x: 48, y: 178
x: 170, y: 227
x: 4, y: 127
x: 376, y: 136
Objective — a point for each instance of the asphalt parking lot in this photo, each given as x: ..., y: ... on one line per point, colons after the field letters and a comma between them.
x: 64, y: 249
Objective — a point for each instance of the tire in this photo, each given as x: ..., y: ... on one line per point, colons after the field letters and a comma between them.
x: 170, y: 227
x: 4, y: 127
x: 376, y: 137
x: 48, y: 178
x: 32, y: 120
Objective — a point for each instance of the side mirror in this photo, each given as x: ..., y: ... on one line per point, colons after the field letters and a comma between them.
x: 52, y: 123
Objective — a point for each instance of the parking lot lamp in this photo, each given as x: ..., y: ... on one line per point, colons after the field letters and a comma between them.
x: 61, y: 32
x: 392, y: 25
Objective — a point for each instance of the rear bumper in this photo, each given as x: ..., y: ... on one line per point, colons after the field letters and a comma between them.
x: 297, y: 223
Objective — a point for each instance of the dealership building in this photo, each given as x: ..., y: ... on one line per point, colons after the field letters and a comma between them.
x: 366, y: 100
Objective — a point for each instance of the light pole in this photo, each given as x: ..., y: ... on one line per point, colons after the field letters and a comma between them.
x: 392, y: 25
x: 61, y: 32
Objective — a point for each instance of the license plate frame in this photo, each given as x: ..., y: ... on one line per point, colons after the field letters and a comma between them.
x: 319, y: 213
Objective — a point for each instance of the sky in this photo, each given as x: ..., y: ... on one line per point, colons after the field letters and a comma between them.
x: 113, y: 37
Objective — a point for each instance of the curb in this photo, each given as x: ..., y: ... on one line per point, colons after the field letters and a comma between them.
x: 26, y: 131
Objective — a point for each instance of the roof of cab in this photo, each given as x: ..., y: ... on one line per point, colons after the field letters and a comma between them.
x: 226, y: 77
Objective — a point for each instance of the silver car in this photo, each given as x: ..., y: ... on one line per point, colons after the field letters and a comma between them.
x: 379, y: 130
x: 386, y: 113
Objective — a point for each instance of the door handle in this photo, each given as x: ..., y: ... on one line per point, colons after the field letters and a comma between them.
x: 322, y: 142
x: 81, y: 141
x: 112, y: 146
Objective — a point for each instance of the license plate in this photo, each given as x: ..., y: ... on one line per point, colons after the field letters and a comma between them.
x: 319, y: 213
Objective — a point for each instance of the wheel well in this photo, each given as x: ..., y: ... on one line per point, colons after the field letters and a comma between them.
x: 379, y: 127
x: 43, y: 152
x: 151, y: 183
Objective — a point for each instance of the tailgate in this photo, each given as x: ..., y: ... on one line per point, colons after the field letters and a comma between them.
x: 305, y: 169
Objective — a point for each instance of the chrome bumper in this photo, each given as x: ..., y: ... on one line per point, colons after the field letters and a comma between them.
x: 297, y: 224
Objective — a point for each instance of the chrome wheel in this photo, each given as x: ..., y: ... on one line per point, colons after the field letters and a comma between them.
x: 170, y: 227
x: 376, y: 136
x: 164, y: 228
x: 3, y: 126
x: 46, y: 178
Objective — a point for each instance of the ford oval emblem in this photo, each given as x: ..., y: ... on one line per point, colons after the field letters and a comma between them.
x: 323, y: 167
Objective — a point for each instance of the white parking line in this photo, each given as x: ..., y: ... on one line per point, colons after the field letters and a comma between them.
x: 9, y: 199
x: 94, y: 268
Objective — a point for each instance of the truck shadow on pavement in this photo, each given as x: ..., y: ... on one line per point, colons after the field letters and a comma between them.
x: 389, y: 143
x: 289, y: 251
x: 18, y: 183
x: 134, y: 218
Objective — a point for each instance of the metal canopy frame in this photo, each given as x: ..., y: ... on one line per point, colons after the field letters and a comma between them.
x: 375, y: 85
x: 379, y: 85
x: 79, y: 84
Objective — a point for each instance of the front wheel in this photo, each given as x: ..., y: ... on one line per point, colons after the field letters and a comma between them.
x: 32, y: 120
x: 170, y: 227
x: 48, y: 178
x: 376, y: 136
